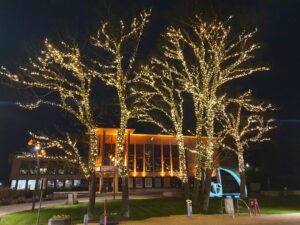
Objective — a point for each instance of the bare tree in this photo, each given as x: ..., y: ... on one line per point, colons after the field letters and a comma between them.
x: 62, y: 80
x: 245, y: 125
x: 120, y: 49
x: 159, y: 98
x: 208, y: 57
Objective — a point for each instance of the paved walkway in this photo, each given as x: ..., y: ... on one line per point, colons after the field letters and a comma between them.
x: 283, y: 219
x: 8, y: 209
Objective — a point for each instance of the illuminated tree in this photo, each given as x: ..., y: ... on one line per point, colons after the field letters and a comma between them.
x: 62, y: 80
x: 207, y: 56
x: 120, y: 50
x: 159, y: 97
x: 244, y: 125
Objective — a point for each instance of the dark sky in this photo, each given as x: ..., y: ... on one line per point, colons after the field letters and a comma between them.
x: 25, y: 24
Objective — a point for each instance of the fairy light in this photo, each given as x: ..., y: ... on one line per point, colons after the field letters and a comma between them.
x: 70, y: 92
x: 157, y: 92
x: 117, y: 70
x: 204, y: 57
x: 245, y: 125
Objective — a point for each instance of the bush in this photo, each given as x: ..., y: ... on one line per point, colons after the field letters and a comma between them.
x: 8, y: 195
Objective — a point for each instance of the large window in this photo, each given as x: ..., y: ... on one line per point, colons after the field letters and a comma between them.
x: 167, y: 165
x: 131, y: 158
x: 44, y: 167
x: 175, y: 157
x: 157, y: 158
x: 139, y: 182
x: 167, y: 182
x: 59, y: 184
x: 77, y: 183
x: 68, y: 184
x: 148, y: 182
x: 139, y: 158
x: 149, y: 157
x: 157, y: 182
x: 21, y: 184
x: 108, y: 153
x: 24, y: 168
x: 52, y: 167
x: 31, y: 184
x: 13, y: 184
x: 32, y: 167
x: 50, y: 184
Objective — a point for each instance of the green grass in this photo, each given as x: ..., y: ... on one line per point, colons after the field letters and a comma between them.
x: 142, y: 208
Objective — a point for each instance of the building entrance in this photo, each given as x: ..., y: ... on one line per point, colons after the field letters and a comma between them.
x: 107, y: 185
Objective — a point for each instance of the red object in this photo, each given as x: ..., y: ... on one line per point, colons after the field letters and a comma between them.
x: 254, y: 207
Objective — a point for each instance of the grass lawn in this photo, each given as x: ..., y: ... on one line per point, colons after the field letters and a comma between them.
x: 142, y: 208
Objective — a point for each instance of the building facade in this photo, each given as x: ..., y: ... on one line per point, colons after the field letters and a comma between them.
x: 152, y: 160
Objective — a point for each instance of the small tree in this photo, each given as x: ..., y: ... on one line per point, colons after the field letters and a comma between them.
x: 159, y: 96
x: 120, y: 50
x: 62, y: 80
x: 244, y: 125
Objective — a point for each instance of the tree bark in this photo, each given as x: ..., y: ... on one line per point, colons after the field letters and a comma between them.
x: 92, y: 197
x: 196, y: 192
x: 242, y: 175
x: 207, y: 188
x: 125, y: 198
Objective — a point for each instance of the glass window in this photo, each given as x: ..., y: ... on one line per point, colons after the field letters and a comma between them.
x: 167, y: 182
x: 149, y: 158
x: 157, y: 158
x: 13, y: 184
x: 31, y: 184
x: 157, y: 182
x: 139, y: 158
x: 166, y: 149
x: 175, y: 157
x: 77, y: 183
x: 52, y: 167
x: 59, y: 184
x: 32, y: 167
x: 43, y: 167
x: 61, y: 168
x: 108, y: 153
x: 21, y: 184
x: 130, y: 182
x: 50, y: 184
x: 68, y: 184
x: 148, y: 182
x: 139, y: 182
x: 24, y: 168
x: 131, y: 158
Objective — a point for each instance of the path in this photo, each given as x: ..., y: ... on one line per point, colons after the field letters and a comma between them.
x: 8, y: 209
x: 279, y: 219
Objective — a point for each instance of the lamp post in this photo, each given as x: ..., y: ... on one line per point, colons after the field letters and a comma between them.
x: 36, y: 147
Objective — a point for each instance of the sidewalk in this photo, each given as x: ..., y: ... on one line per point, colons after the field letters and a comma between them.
x: 282, y: 219
x: 8, y: 209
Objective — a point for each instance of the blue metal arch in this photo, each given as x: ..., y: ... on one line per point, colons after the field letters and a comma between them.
x: 217, y: 187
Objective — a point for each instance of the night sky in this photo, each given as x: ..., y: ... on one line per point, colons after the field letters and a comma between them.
x: 25, y: 24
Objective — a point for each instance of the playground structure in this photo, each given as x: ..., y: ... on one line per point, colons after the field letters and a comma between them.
x: 225, y: 183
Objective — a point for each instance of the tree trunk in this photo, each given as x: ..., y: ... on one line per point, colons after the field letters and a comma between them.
x: 125, y: 198
x: 207, y: 188
x: 196, y: 192
x: 242, y: 175
x: 183, y: 166
x: 243, y: 185
x: 92, y: 197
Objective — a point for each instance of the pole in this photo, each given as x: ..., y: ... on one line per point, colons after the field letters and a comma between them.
x: 114, y: 183
x: 36, y: 180
x: 40, y: 204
